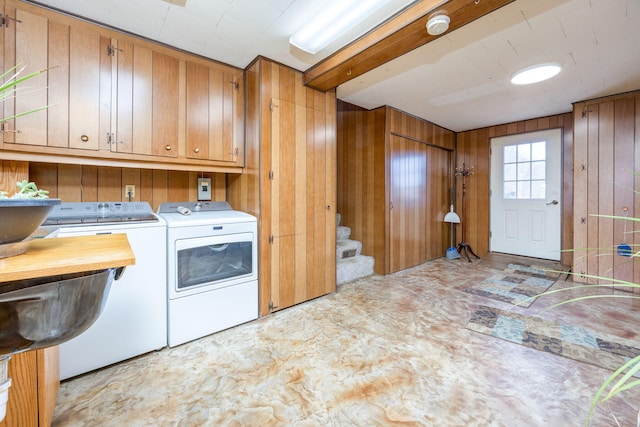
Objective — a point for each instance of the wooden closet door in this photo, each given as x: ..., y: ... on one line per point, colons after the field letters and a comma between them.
x: 408, y: 203
x: 302, y: 204
x: 288, y: 275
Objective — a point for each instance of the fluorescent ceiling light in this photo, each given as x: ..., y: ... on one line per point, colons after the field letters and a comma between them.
x: 535, y: 74
x: 333, y: 22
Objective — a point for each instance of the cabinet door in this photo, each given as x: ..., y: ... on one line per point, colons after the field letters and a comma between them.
x: 213, y: 122
x: 145, y: 113
x: 408, y: 207
x: 26, y: 41
x: 165, y: 105
x: 84, y: 89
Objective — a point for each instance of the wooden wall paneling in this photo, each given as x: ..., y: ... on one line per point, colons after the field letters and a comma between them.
x: 580, y: 189
x: 45, y: 175
x: 461, y: 158
x: 592, y: 193
x: 482, y: 167
x: 70, y: 183
x: 160, y: 184
x: 606, y: 170
x: 177, y: 186
x: 89, y: 183
x: 219, y: 183
x: 12, y: 172
x: 623, y: 177
x: 131, y: 176
x: 473, y: 199
x: 329, y: 134
x: 145, y: 191
x: 437, y: 201
x: 566, y: 123
x: 109, y: 184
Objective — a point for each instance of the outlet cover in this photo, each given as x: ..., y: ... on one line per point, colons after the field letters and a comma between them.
x: 204, y: 188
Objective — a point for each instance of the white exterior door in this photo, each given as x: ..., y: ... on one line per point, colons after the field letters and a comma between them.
x: 526, y: 183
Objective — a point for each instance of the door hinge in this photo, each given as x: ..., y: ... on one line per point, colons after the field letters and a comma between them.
x: 111, y: 50
x: 4, y: 20
x: 271, y: 239
x: 271, y: 306
x: 271, y: 175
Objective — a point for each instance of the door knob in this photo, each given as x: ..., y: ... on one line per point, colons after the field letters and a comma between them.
x: 553, y: 202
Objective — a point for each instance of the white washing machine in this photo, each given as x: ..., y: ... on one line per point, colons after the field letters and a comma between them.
x: 134, y: 319
x: 212, y: 268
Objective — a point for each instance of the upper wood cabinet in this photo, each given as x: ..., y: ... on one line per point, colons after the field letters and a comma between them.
x: 71, y: 87
x: 117, y: 100
x: 146, y: 104
x: 213, y: 113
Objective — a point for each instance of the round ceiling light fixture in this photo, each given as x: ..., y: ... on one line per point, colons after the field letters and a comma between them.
x: 535, y: 74
x: 438, y: 24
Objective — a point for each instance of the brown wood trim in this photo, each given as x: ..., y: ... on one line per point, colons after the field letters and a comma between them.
x: 421, y: 141
x: 401, y: 34
x: 27, y: 156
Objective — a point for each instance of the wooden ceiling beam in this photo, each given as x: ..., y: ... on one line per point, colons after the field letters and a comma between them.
x: 401, y: 34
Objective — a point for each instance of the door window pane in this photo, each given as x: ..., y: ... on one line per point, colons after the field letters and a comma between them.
x: 510, y: 190
x: 538, y: 170
x: 538, y: 151
x: 525, y: 170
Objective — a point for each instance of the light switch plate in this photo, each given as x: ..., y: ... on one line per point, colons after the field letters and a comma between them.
x: 204, y: 188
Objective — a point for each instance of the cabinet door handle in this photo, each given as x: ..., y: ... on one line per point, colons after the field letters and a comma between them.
x: 196, y: 150
x: 167, y: 147
x: 5, y: 128
x: 84, y: 138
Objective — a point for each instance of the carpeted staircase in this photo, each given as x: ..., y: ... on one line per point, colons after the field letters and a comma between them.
x: 350, y: 264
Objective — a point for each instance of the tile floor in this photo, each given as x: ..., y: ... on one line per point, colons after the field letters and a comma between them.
x: 382, y: 351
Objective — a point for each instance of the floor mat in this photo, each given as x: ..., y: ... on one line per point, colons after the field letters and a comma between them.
x: 573, y: 342
x: 516, y: 284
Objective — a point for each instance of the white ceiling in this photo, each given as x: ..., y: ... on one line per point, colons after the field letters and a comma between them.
x: 459, y: 81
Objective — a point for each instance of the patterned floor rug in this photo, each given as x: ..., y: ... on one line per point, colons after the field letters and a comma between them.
x: 573, y: 342
x: 515, y: 284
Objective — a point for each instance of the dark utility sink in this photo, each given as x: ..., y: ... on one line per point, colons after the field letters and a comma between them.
x: 43, y: 312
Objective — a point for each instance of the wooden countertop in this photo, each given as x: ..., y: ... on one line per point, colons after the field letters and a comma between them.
x: 64, y: 255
